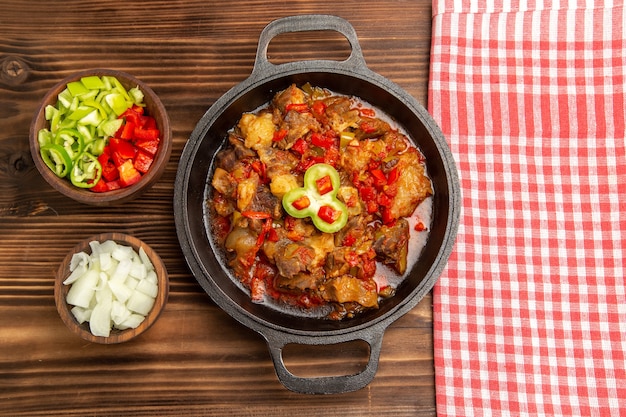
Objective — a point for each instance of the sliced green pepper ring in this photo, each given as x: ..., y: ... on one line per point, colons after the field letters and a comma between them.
x: 71, y: 140
x: 310, y: 201
x: 56, y: 158
x: 86, y: 171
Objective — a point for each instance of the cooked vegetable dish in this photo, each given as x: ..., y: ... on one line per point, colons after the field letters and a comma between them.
x: 313, y: 200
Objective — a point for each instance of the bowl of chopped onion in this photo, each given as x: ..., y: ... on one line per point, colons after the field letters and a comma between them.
x: 101, y: 137
x: 111, y: 288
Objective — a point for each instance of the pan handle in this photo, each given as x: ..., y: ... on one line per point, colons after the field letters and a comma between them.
x: 307, y: 23
x: 276, y: 341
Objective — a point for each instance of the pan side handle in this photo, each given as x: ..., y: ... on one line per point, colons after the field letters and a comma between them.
x: 308, y: 23
x: 327, y: 384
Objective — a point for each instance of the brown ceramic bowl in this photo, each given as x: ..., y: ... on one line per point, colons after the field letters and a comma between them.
x: 154, y: 108
x: 116, y: 336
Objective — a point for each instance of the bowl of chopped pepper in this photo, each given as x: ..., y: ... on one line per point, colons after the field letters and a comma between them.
x: 101, y: 137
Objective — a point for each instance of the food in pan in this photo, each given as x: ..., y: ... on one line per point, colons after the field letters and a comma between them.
x: 319, y: 203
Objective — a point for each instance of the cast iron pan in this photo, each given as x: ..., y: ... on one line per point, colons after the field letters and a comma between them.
x: 350, y: 77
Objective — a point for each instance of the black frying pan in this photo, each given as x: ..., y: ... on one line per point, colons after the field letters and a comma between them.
x: 350, y: 77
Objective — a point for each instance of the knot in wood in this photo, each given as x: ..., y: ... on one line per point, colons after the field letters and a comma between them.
x: 14, y: 70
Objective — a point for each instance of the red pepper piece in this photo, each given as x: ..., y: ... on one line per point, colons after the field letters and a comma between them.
x: 386, y: 216
x: 146, y: 134
x: 323, y: 141
x: 419, y: 226
x: 393, y: 176
x: 114, y: 185
x: 138, y: 109
x: 280, y: 135
x: 150, y: 123
x: 257, y: 215
x: 124, y: 149
x: 324, y: 184
x: 126, y: 131
x: 100, y: 187
x: 151, y: 146
x: 328, y: 214
x: 300, y: 146
x: 109, y: 171
x: 259, y: 168
x: 367, y: 112
x: 379, y: 178
x: 368, y: 193
x: 132, y: 115
x: 384, y: 200
x: 143, y: 161
x: 301, y: 203
x: 349, y: 240
x: 299, y: 107
x: 319, y: 107
x: 372, y: 207
x: 128, y: 174
x: 117, y: 159
x: 368, y: 126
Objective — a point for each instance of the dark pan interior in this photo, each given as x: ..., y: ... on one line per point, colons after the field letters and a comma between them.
x: 219, y: 284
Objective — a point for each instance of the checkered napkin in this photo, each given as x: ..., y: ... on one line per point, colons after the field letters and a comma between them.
x: 530, y: 313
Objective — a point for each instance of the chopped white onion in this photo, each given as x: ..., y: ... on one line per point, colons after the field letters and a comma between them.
x: 114, y: 287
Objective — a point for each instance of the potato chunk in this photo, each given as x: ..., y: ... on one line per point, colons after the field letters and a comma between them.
x: 258, y: 131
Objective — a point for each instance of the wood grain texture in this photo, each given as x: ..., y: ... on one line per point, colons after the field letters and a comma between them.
x: 195, y: 360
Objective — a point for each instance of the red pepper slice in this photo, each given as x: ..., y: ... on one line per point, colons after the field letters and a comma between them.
x: 146, y: 134
x: 126, y: 131
x: 393, y: 176
x: 301, y: 203
x: 124, y: 149
x: 367, y: 112
x: 114, y: 185
x: 100, y: 187
x: 319, y: 107
x: 328, y: 214
x: 379, y: 178
x: 128, y: 174
x: 367, y: 193
x: 257, y: 215
x: 300, y: 146
x: 259, y: 168
x: 147, y: 122
x: 109, y: 171
x: 299, y: 107
x: 323, y: 141
x: 143, y: 161
x: 324, y: 184
x: 151, y: 146
x: 280, y: 135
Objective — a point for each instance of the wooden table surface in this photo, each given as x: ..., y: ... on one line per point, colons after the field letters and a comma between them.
x: 196, y: 359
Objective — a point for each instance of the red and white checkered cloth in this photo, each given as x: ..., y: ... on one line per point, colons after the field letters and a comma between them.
x: 530, y: 313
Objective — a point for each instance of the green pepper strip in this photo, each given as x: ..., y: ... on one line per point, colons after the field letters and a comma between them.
x: 86, y: 171
x: 56, y: 158
x: 317, y: 200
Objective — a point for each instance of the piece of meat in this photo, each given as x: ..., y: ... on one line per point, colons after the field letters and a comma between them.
x: 290, y: 95
x: 224, y: 183
x: 369, y: 127
x: 391, y: 244
x: 340, y: 115
x: 298, y: 125
x: 346, y: 289
x: 266, y: 202
x: 293, y: 258
x: 413, y: 184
